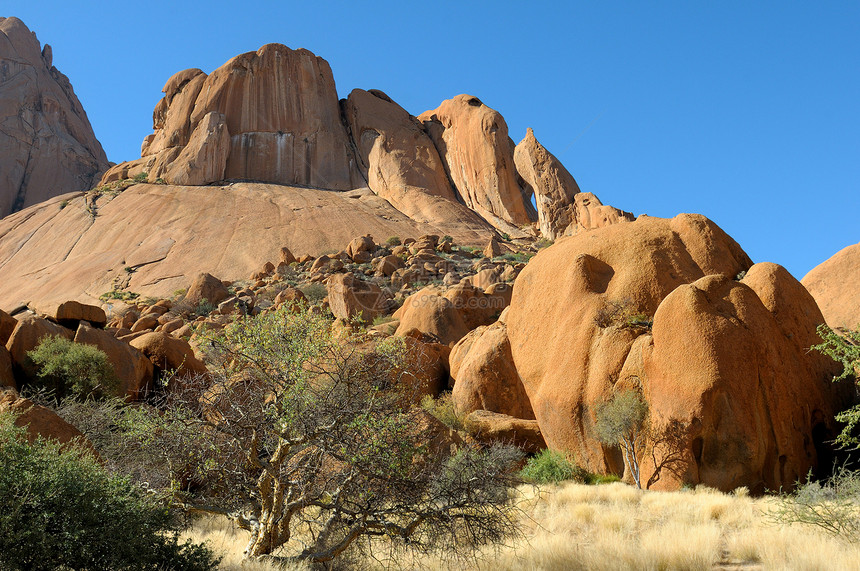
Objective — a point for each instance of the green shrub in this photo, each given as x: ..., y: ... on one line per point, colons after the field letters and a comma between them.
x: 844, y: 348
x: 550, y: 467
x: 74, y: 369
x: 315, y: 292
x: 442, y: 408
x: 204, y: 307
x: 60, y: 509
x: 140, y: 177
x: 393, y: 241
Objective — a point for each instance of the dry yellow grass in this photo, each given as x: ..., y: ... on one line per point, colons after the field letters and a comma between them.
x: 615, y: 526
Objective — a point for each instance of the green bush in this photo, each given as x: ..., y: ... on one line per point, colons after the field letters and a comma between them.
x: 140, y: 177
x: 442, y: 408
x: 844, y: 348
x: 315, y: 292
x: 59, y: 509
x: 550, y: 467
x: 832, y: 506
x: 393, y: 241
x: 73, y: 369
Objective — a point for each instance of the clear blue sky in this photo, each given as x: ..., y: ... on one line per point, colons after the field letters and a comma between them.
x: 746, y: 112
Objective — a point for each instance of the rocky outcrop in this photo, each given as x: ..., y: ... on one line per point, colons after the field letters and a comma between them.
x: 833, y: 285
x: 29, y: 331
x: 47, y: 146
x: 278, y: 107
x: 727, y: 360
x: 562, y: 210
x: 473, y: 141
x: 397, y: 157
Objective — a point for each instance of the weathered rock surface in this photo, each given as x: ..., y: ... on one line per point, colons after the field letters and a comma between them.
x: 169, y: 354
x: 350, y: 298
x: 278, y: 107
x: 478, y: 155
x: 833, y: 285
x: 484, y: 375
x: 726, y: 359
x: 47, y: 146
x: 48, y: 254
x: 7, y: 375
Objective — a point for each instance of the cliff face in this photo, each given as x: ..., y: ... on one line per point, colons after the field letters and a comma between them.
x: 47, y: 146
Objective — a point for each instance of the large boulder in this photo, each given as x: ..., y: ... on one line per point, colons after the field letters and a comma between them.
x: 478, y: 156
x: 727, y: 360
x: 29, y: 331
x: 349, y: 297
x: 169, y: 354
x: 484, y: 376
x: 431, y: 313
x: 41, y: 422
x: 7, y: 326
x: 833, y: 285
x: 47, y: 146
x: 490, y: 427
x: 69, y: 313
x: 132, y: 368
x: 206, y: 288
x: 731, y: 361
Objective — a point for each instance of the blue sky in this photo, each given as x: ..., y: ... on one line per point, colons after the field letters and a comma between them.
x: 746, y: 112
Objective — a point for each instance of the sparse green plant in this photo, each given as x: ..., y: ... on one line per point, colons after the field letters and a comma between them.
x: 119, y: 294
x: 551, y: 467
x: 140, y: 177
x: 160, y: 180
x: 543, y: 243
x: 60, y: 509
x: 63, y: 204
x: 505, y: 236
x: 68, y: 368
x: 382, y: 319
x: 442, y: 408
x: 622, y: 421
x: 204, y: 307
x: 621, y: 313
x: 179, y: 292
x: 832, y: 506
x: 741, y: 275
x: 314, y: 292
x: 393, y: 241
x: 129, y: 269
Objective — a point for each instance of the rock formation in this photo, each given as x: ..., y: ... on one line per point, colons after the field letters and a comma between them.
x: 47, y: 146
x: 726, y: 360
x: 561, y: 208
x: 473, y: 142
x: 833, y: 284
